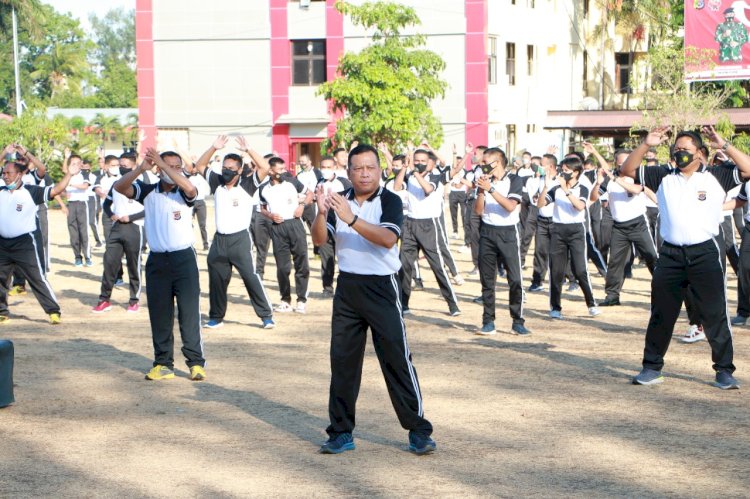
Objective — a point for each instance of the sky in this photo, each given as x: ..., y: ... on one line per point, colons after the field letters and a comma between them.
x: 82, y: 8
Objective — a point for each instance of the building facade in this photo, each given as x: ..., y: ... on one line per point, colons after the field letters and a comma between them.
x: 253, y: 67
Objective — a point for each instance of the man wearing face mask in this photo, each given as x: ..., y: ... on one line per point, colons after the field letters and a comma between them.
x: 420, y: 229
x: 18, y: 242
x: 309, y: 176
x: 78, y: 217
x: 104, y: 183
x: 171, y: 268
x: 497, y: 201
x: 281, y: 203
x: 123, y: 233
x: 327, y: 251
x: 232, y: 244
x: 690, y: 199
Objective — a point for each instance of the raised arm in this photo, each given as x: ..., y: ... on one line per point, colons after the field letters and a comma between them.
x: 60, y: 186
x: 125, y: 185
x: 739, y: 158
x: 261, y: 164
x: 205, y: 158
x: 590, y: 149
x: 319, y: 229
x: 654, y: 138
x: 180, y: 180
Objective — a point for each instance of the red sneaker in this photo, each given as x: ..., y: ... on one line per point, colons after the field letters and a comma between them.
x: 133, y: 308
x: 103, y: 306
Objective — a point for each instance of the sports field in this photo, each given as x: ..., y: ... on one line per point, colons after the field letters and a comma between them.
x: 552, y: 414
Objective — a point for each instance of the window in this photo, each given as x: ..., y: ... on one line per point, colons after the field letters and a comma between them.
x: 510, y: 63
x: 308, y: 62
x: 622, y: 72
x: 585, y: 71
x: 492, y: 60
x: 530, y: 50
x: 531, y: 128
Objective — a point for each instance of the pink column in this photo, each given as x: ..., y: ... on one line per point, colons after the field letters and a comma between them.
x: 334, y: 50
x: 477, y: 113
x: 280, y: 76
x: 144, y: 51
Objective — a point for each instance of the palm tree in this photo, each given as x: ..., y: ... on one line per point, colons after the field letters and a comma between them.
x: 106, y: 127
x: 29, y: 13
x: 62, y: 68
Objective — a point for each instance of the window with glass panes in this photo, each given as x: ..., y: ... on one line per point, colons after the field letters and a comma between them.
x: 308, y: 62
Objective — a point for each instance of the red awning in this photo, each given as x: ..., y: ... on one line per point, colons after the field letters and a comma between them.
x: 614, y: 122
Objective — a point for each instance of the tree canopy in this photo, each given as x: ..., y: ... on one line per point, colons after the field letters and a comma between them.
x: 384, y: 91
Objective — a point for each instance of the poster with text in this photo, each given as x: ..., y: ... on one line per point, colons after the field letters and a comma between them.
x: 717, y: 40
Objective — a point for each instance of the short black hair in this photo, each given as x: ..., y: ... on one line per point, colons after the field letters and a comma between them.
x: 694, y: 136
x: 552, y: 158
x: 399, y: 157
x: 128, y: 155
x: 421, y: 151
x: 110, y: 157
x: 623, y: 151
x: 578, y: 154
x: 497, y: 151
x: 267, y: 156
x: 74, y: 156
x: 337, y: 150
x: 170, y: 154
x: 275, y: 160
x: 362, y: 149
x: 235, y: 157
x: 326, y: 158
x: 573, y: 163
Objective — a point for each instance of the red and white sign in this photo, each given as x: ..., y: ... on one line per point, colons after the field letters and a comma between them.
x: 717, y: 40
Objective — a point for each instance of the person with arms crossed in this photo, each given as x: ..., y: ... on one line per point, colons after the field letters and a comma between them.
x: 366, y: 222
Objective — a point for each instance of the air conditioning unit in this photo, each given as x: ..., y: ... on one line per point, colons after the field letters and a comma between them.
x: 304, y: 4
x: 589, y: 104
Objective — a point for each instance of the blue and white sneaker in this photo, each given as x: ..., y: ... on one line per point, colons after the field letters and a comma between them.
x: 268, y: 323
x: 487, y: 329
x: 338, y: 444
x: 421, y: 444
x: 555, y: 314
x: 520, y: 329
x: 214, y: 323
x: 726, y: 381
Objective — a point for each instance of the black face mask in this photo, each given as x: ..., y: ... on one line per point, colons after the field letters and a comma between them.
x: 683, y: 158
x: 420, y: 167
x: 228, y: 175
x: 124, y: 171
x: 567, y: 176
x: 396, y: 171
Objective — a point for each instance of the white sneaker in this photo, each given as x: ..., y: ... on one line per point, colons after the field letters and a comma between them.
x: 594, y: 311
x: 283, y: 307
x: 694, y: 333
x: 458, y: 280
x: 555, y: 314
x: 464, y: 249
x: 300, y: 307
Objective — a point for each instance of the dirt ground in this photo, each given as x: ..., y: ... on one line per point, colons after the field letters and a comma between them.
x: 551, y: 414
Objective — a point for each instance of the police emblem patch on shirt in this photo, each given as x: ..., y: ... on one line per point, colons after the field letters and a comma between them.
x: 701, y: 195
x: 235, y: 202
x: 19, y: 207
x: 177, y: 215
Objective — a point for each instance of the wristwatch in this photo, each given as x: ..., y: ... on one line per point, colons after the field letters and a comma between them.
x: 492, y: 189
x: 726, y: 145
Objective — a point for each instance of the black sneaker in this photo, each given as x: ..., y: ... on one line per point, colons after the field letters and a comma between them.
x: 520, y: 329
x: 478, y: 300
x: 418, y: 285
x: 726, y: 381
x: 328, y: 293
x: 609, y: 302
x: 421, y: 444
x: 338, y: 444
x: 535, y: 288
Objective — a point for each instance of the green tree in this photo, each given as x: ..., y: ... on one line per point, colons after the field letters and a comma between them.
x: 385, y: 90
x: 115, y: 36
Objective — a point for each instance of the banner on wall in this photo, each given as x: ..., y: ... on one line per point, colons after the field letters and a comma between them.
x: 717, y: 40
